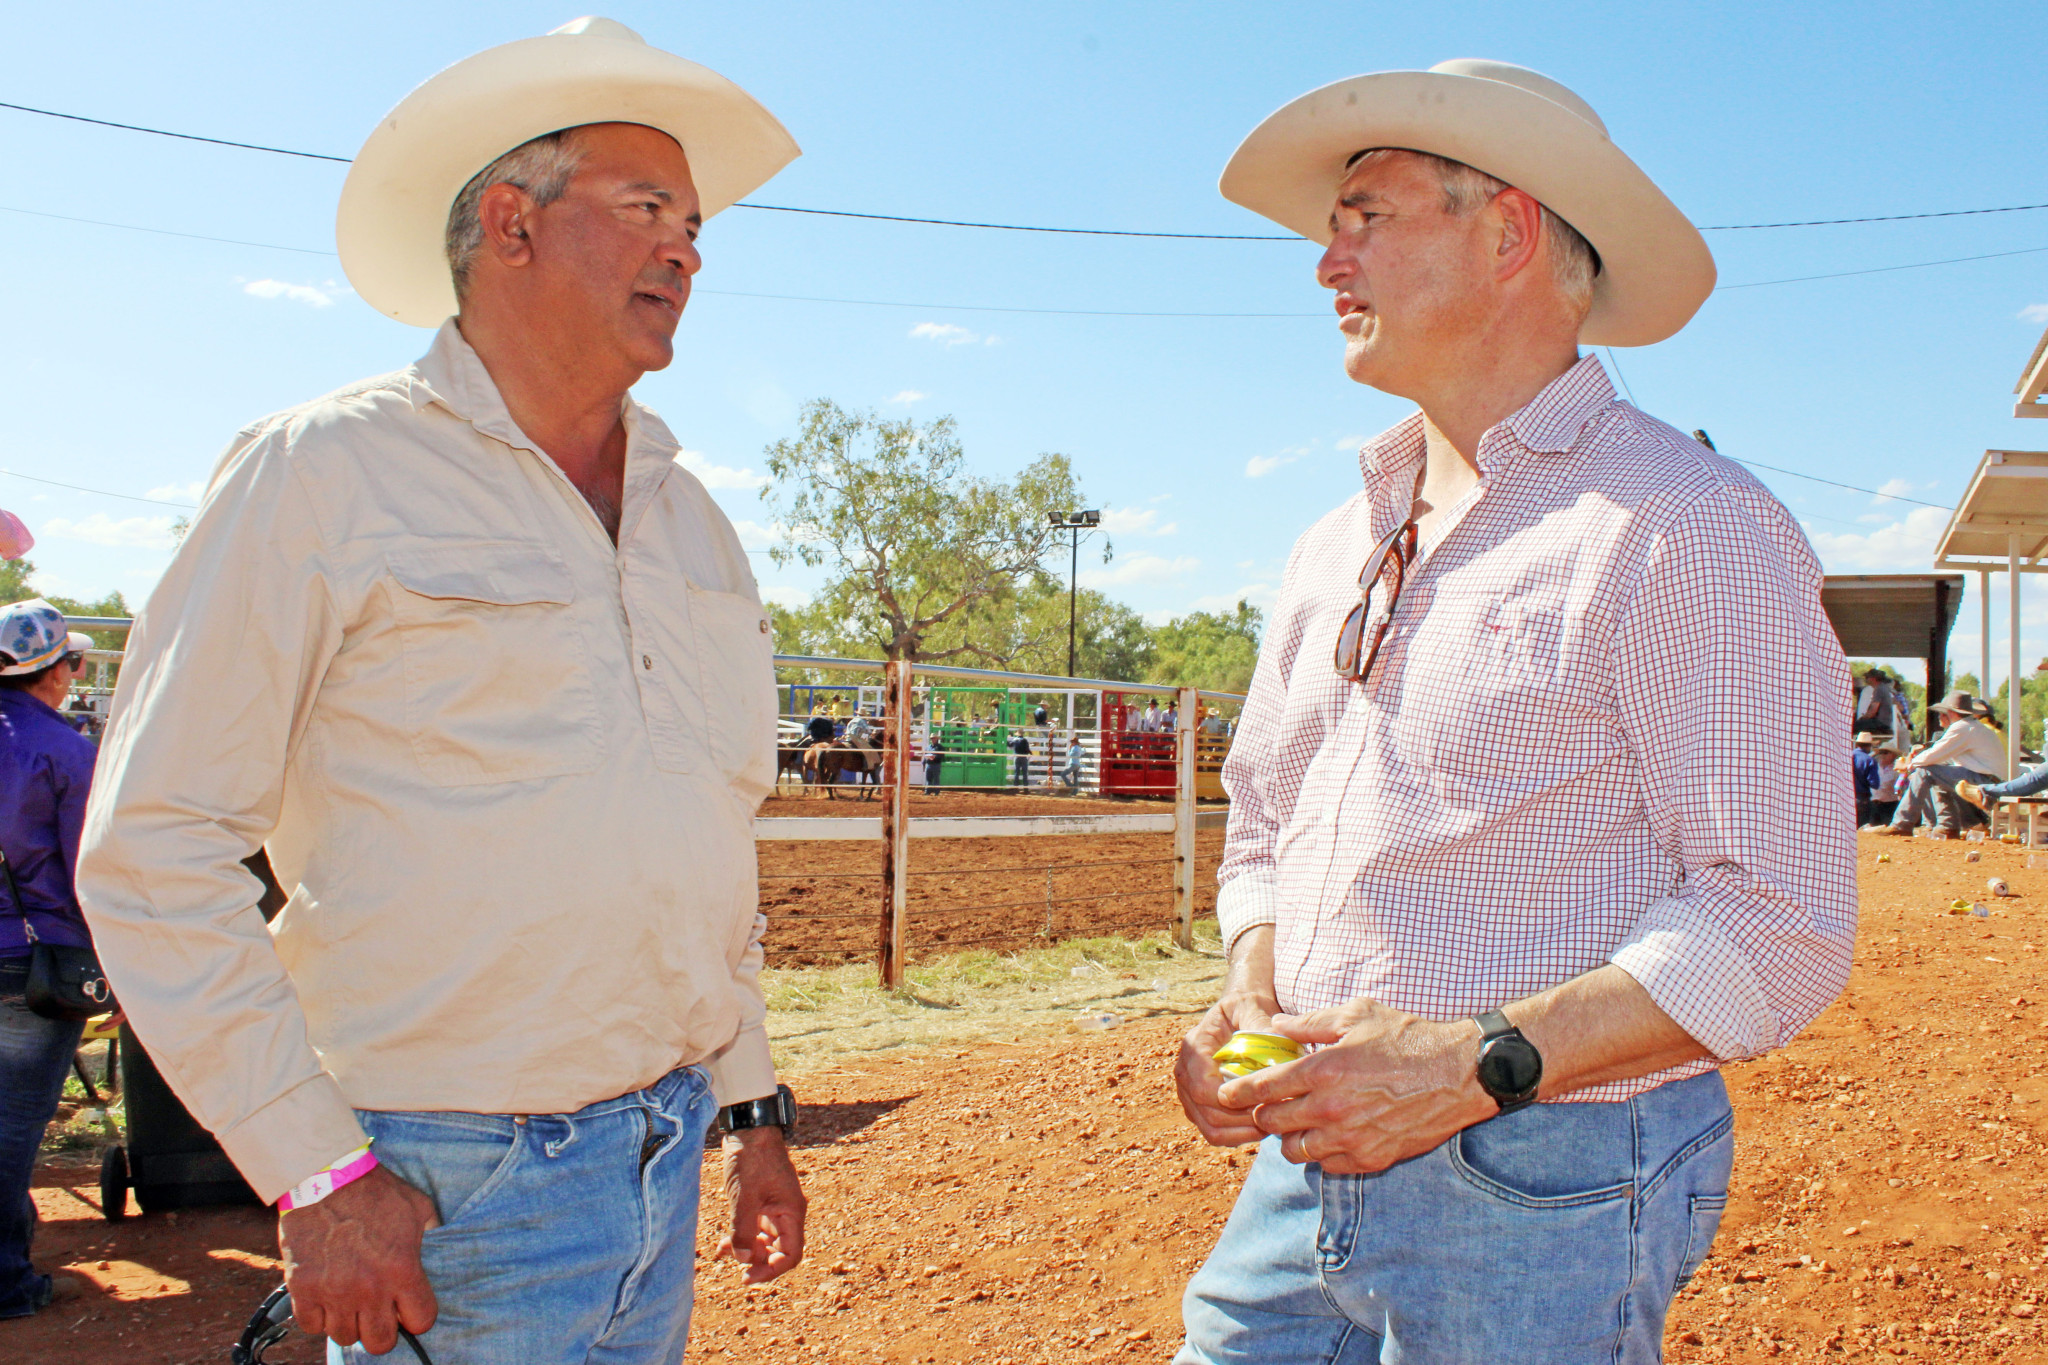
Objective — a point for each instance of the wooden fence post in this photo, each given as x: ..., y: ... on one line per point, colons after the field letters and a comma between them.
x: 895, y: 822
x: 1187, y: 709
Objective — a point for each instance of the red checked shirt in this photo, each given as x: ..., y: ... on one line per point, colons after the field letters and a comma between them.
x: 1606, y: 726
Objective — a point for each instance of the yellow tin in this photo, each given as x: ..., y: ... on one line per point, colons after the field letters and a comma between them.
x: 1249, y: 1052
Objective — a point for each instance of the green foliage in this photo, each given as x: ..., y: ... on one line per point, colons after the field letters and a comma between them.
x: 1215, y: 651
x: 927, y: 561
x: 15, y: 586
x: 14, y: 577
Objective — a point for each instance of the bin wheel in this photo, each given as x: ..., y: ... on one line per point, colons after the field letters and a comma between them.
x: 114, y: 1183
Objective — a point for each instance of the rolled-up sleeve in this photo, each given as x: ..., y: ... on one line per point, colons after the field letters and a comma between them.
x: 215, y: 689
x: 1730, y: 682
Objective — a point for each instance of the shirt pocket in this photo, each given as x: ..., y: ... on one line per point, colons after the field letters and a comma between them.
x: 736, y: 680
x: 497, y: 681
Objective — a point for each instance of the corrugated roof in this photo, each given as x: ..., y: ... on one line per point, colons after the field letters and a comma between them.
x: 1890, y: 616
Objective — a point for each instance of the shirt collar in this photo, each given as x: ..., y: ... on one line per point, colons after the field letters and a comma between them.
x: 452, y: 374
x: 1551, y: 422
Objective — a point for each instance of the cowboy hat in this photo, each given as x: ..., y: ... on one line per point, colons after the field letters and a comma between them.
x: 1869, y: 737
x: 1516, y: 125
x: 1888, y: 745
x: 1962, y: 703
x: 393, y: 218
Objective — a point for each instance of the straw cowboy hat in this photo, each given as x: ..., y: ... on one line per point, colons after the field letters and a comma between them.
x: 394, y: 205
x: 1516, y: 125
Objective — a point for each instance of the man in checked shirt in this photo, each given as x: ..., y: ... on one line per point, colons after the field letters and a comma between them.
x: 1490, y: 851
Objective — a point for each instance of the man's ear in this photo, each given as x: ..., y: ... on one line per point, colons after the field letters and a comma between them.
x: 1520, y: 219
x: 505, y: 212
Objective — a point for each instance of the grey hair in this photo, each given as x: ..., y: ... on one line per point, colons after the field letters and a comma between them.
x: 1466, y: 189
x: 542, y: 167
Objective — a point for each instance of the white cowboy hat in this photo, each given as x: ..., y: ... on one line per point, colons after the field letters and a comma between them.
x: 394, y: 206
x: 1516, y: 125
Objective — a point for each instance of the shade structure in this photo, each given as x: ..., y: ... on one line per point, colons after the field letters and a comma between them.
x: 2006, y: 505
x: 1891, y: 616
x: 2033, y: 383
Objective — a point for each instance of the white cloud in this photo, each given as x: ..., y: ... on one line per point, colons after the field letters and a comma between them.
x: 142, y: 533
x: 1259, y: 466
x: 948, y: 334
x: 909, y: 396
x: 1140, y: 569
x: 1350, y: 444
x: 776, y: 596
x: 1258, y: 594
x: 755, y: 536
x: 2034, y: 312
x: 720, y: 475
x: 179, y: 492
x: 1136, y: 521
x: 1905, y: 546
x: 313, y: 296
x: 1889, y: 489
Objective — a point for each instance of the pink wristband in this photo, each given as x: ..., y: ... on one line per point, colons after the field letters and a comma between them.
x: 352, y: 1167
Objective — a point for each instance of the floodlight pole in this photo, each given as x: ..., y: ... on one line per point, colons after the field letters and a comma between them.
x: 1073, y: 594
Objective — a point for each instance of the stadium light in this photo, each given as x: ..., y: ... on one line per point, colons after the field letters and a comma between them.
x: 1074, y: 523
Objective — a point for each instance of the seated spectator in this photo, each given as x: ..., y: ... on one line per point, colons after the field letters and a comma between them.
x: 1863, y: 774
x: 1968, y: 750
x: 1884, y: 797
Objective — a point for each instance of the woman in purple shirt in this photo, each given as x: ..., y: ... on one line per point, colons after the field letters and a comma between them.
x: 45, y: 775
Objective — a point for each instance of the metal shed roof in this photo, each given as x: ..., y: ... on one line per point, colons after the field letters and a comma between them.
x: 2008, y: 497
x: 1890, y: 616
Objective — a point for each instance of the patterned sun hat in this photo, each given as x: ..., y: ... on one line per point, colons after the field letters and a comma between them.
x: 33, y: 635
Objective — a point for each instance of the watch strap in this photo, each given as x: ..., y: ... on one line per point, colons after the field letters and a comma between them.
x: 770, y: 1111
x: 1492, y: 1024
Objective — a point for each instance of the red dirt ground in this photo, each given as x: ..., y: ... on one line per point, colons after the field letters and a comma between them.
x: 823, y: 899
x: 1043, y: 1201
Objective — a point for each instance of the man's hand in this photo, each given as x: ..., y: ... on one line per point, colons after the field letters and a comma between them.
x: 768, y: 1204
x: 1246, y: 1004
x: 352, y: 1262
x: 1387, y: 1087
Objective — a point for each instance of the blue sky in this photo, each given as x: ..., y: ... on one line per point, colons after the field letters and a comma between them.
x: 132, y: 358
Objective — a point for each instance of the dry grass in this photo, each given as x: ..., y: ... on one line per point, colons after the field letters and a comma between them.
x: 821, y: 1017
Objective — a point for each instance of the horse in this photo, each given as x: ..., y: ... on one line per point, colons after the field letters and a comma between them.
x: 823, y: 763
x: 789, y: 758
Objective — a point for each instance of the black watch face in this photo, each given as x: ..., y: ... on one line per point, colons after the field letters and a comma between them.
x: 1510, y: 1067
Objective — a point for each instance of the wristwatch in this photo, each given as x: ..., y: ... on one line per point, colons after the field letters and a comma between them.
x: 770, y: 1111
x: 1510, y: 1067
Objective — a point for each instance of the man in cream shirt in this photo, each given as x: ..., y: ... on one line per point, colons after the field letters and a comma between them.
x: 486, y: 672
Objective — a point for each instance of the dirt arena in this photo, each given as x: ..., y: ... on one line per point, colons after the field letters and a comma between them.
x: 824, y: 899
x: 1042, y: 1201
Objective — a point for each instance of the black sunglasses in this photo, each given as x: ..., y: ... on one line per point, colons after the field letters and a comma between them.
x: 1358, y: 643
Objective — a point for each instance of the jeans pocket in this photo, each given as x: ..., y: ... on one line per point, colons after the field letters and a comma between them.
x: 1706, y: 1221
x: 454, y: 1159
x: 1548, y: 1156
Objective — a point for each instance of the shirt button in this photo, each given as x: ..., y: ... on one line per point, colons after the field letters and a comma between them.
x: 647, y: 661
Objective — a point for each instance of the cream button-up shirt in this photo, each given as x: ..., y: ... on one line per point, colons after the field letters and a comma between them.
x: 505, y: 770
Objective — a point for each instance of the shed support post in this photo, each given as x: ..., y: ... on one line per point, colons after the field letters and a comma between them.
x: 895, y: 822
x: 1187, y: 708
x: 1984, y: 630
x: 2012, y: 700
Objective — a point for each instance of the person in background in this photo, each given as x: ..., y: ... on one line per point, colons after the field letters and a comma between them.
x: 1076, y: 756
x: 45, y: 777
x: 1967, y: 750
x: 1863, y: 773
x: 1150, y: 724
x: 934, y: 755
x: 1902, y: 702
x: 1875, y: 706
x: 1020, y: 769
x: 1169, y: 719
x: 1884, y: 797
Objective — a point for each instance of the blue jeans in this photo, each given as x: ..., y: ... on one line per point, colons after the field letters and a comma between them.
x: 565, y: 1239
x: 1555, y: 1235
x: 35, y: 1057
x: 2030, y: 783
x: 1933, y: 788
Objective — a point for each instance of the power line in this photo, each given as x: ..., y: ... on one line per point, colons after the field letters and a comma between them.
x: 1014, y: 227
x: 184, y: 137
x: 80, y: 488
x: 996, y: 308
x: 165, y: 232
